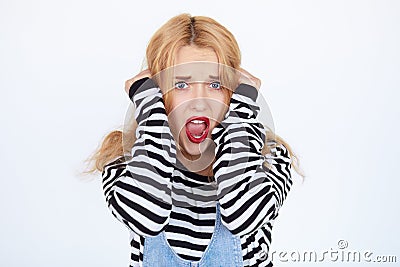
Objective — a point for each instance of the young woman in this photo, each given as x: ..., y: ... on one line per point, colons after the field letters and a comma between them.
x: 198, y: 180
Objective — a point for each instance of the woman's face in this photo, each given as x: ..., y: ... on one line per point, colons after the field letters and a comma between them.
x: 197, y: 102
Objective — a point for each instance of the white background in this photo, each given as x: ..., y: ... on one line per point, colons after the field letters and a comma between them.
x: 330, y: 74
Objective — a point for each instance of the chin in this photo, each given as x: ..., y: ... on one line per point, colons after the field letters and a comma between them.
x: 195, y: 150
x: 192, y: 149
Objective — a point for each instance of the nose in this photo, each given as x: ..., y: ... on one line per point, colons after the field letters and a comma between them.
x: 199, y: 97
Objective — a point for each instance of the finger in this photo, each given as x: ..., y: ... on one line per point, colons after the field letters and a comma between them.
x: 128, y: 84
x: 247, y: 77
x: 142, y: 74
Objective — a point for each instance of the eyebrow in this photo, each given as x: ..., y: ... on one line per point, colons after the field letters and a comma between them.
x: 183, y: 77
x: 188, y: 77
x: 214, y: 77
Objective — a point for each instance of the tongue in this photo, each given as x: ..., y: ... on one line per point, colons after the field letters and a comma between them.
x: 196, y: 128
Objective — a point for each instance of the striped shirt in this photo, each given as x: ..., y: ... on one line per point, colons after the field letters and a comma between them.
x: 150, y: 191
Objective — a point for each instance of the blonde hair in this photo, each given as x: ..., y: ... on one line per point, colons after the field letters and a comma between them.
x: 179, y: 31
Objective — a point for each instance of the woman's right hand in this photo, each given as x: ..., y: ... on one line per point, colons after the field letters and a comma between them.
x: 142, y: 74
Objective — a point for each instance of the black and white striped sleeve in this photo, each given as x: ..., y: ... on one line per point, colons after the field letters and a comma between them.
x: 249, y: 193
x: 138, y: 188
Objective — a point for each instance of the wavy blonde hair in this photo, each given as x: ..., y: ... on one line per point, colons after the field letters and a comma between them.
x: 181, y: 30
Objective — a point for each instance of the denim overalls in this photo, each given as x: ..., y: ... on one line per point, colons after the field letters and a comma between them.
x: 224, y: 250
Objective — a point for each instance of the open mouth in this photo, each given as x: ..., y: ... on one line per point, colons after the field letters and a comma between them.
x: 197, y: 129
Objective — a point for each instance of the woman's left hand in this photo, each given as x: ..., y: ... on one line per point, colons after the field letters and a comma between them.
x: 247, y: 78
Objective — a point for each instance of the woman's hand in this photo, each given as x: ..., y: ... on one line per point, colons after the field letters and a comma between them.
x: 247, y: 78
x: 142, y: 74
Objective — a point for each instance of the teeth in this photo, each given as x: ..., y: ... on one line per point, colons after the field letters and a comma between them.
x: 198, y: 136
x: 197, y: 121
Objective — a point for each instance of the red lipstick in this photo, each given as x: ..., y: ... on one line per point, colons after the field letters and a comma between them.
x: 197, y: 128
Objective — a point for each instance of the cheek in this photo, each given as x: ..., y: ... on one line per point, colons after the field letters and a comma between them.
x: 219, y: 109
x: 172, y: 102
x: 220, y: 106
x: 176, y: 101
x: 174, y: 109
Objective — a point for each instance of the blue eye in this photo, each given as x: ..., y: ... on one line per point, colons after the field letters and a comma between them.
x: 180, y: 85
x: 216, y: 85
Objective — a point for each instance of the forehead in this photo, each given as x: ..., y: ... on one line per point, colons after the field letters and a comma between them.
x: 196, y: 71
x: 195, y: 63
x: 190, y: 53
